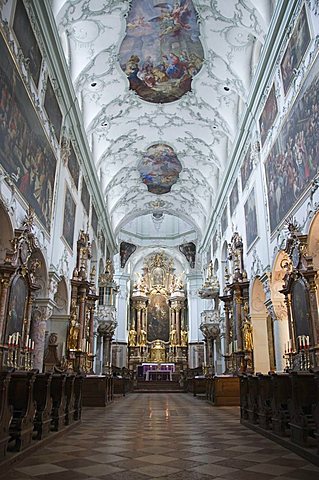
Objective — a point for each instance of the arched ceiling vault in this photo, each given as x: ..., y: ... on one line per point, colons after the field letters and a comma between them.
x: 200, y: 126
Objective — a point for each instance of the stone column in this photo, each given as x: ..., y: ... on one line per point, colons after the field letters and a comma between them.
x: 41, y: 313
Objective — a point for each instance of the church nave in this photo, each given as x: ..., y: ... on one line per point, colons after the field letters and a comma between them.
x: 166, y: 436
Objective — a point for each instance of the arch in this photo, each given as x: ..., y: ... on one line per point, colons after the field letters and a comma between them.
x: 281, y: 330
x: 6, y: 233
x: 262, y: 329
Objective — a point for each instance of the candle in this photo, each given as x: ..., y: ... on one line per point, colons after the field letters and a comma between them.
x: 17, y: 339
x: 63, y: 349
x: 10, y: 339
x: 32, y: 344
x: 27, y: 341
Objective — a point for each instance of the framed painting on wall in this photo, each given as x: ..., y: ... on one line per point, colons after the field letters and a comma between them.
x: 251, y: 219
x: 25, y: 152
x: 296, y: 49
x: 246, y: 168
x: 73, y: 166
x: 224, y: 220
x: 268, y: 115
x: 85, y: 197
x: 69, y: 218
x: 94, y: 220
x: 27, y: 40
x: 17, y: 306
x: 233, y: 199
x: 53, y: 110
x: 293, y: 161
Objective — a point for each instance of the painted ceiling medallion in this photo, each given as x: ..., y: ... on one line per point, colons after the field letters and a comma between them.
x: 159, y: 168
x: 161, y: 52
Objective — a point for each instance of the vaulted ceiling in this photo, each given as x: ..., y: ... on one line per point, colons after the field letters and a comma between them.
x: 220, y: 42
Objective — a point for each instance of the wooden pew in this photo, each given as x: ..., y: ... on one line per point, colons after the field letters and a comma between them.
x: 265, y: 391
x: 281, y: 396
x: 42, y: 397
x: 301, y: 404
x: 243, y: 385
x: 5, y: 413
x: 252, y: 401
x: 57, y: 392
x: 226, y: 391
x: 78, y: 383
x: 23, y: 405
x: 69, y: 399
x: 316, y: 410
x: 199, y: 386
x: 95, y: 391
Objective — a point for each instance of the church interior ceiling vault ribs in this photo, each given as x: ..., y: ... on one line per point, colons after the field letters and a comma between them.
x: 159, y: 200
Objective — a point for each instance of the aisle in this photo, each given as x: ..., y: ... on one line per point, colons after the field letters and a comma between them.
x: 171, y: 436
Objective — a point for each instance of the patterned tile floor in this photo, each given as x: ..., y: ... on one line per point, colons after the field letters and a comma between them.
x: 166, y: 436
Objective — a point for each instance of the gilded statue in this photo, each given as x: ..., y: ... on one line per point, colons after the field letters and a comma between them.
x: 248, y: 336
x: 173, y: 337
x: 247, y: 330
x: 142, y: 338
x: 109, y: 270
x: 73, y: 332
x: 184, y: 338
x: 132, y: 336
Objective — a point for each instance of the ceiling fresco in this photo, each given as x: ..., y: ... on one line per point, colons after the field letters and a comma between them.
x: 161, y: 51
x: 214, y: 45
x: 159, y: 168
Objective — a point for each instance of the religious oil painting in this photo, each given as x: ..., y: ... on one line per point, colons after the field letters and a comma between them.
x: 159, y: 168
x: 25, y: 151
x: 73, y: 166
x: 161, y: 52
x: 126, y: 250
x: 233, y: 199
x: 85, y: 197
x: 268, y: 115
x: 296, y: 49
x: 224, y: 220
x: 94, y: 220
x: 294, y: 159
x: 17, y: 306
x: 246, y: 168
x: 300, y: 307
x: 251, y: 219
x: 27, y: 41
x: 158, y: 318
x: 69, y: 218
x: 53, y: 110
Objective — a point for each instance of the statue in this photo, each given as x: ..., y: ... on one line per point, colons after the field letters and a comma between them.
x: 73, y: 332
x: 184, y: 338
x: 247, y: 330
x: 142, y: 338
x: 132, y: 337
x: 173, y: 337
x: 140, y: 283
x: 248, y: 336
x: 109, y: 271
x: 210, y: 270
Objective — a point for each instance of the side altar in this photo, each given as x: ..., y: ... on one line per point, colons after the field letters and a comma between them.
x: 158, y: 328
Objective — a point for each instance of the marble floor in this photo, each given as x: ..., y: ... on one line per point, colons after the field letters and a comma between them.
x: 166, y: 436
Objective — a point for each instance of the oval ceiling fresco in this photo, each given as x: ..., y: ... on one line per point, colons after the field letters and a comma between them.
x: 161, y: 51
x: 159, y: 168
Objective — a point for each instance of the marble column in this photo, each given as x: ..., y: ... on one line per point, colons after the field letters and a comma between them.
x: 40, y: 315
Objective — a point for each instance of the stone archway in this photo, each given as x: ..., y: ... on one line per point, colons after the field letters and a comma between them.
x: 279, y: 310
x: 262, y: 341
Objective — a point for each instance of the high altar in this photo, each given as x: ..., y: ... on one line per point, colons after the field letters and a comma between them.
x: 158, y: 330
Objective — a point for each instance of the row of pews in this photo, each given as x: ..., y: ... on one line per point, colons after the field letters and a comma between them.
x: 286, y: 404
x: 32, y: 404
